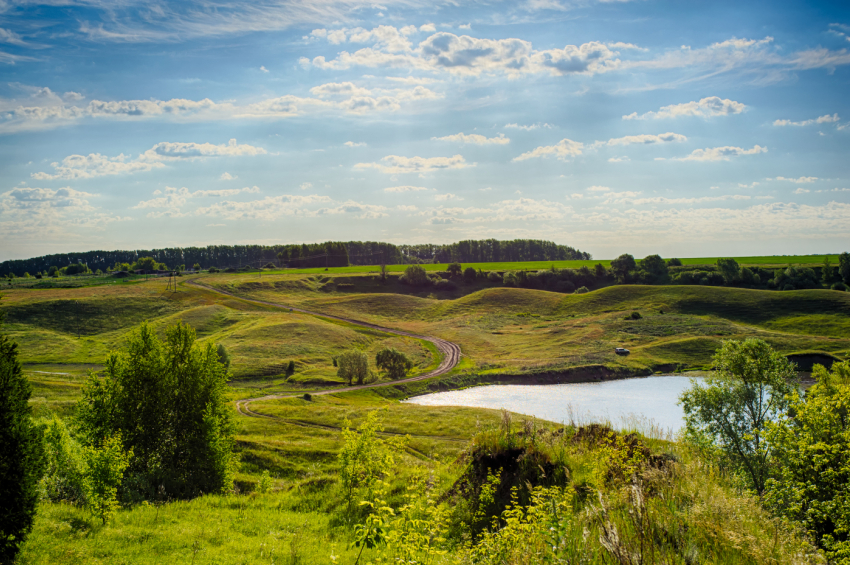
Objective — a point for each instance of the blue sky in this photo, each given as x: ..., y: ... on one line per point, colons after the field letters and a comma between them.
x: 679, y: 128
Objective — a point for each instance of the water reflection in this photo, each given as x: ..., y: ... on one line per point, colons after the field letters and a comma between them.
x: 630, y: 403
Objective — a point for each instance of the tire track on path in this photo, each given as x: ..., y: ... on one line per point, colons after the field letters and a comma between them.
x: 451, y: 353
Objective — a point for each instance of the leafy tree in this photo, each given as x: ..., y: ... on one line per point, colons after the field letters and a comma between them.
x: 732, y: 407
x: 383, y: 273
x: 145, y: 263
x: 106, y: 465
x: 393, y: 362
x: 654, y: 269
x: 415, y: 275
x: 622, y: 267
x: 353, y: 366
x: 76, y: 269
x: 52, y: 271
x: 599, y: 270
x: 454, y: 269
x: 196, y: 267
x: 844, y: 266
x: 674, y: 262
x: 168, y: 401
x: 65, y: 473
x: 827, y: 274
x: 470, y: 274
x: 730, y: 269
x: 811, y: 448
x: 21, y: 453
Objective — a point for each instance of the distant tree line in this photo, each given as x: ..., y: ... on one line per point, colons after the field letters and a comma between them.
x: 328, y: 254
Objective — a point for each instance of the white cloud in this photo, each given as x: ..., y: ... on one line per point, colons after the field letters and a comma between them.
x: 97, y: 165
x: 528, y: 127
x: 355, y: 144
x: 227, y: 176
x: 705, y: 108
x: 800, y: 180
x: 405, y: 189
x: 487, y: 189
x: 618, y: 159
x: 835, y: 190
x: 720, y: 153
x: 265, y: 70
x: 407, y: 208
x: 562, y: 150
x: 465, y: 55
x: 802, y: 190
x: 447, y: 196
x: 597, y: 188
x: 646, y: 139
x: 395, y: 164
x: 752, y: 185
x: 305, y: 185
x: 46, y: 110
x: 170, y: 203
x: 827, y: 119
x: 475, y: 138
x: 428, y: 27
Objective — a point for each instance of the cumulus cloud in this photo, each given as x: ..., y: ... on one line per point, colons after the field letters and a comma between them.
x: 227, y: 176
x: 170, y: 202
x: 405, y: 188
x: 705, y: 108
x: 464, y: 55
x: 274, y: 207
x: 355, y: 144
x: 475, y: 138
x: 802, y: 190
x: 395, y: 164
x: 447, y: 196
x: 618, y: 159
x: 826, y: 119
x: 521, y: 209
x: 563, y: 150
x: 305, y: 185
x: 720, y: 153
x: 97, y: 165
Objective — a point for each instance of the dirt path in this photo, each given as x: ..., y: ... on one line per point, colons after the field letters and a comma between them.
x: 451, y: 354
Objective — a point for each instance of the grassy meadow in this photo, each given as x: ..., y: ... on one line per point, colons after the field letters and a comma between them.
x: 63, y: 333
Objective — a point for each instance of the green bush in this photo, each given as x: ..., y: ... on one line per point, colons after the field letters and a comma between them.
x: 168, y: 402
x: 393, y: 363
x: 582, y: 290
x: 470, y: 274
x: 64, y: 476
x: 415, y: 275
x: 105, y: 464
x: 444, y: 284
x: 494, y: 277
x: 839, y: 286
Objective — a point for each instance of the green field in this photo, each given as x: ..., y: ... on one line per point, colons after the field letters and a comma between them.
x: 503, y: 332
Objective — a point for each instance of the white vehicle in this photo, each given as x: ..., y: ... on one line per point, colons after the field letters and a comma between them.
x: 621, y: 351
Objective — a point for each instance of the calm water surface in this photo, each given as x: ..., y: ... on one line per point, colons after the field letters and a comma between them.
x: 624, y: 403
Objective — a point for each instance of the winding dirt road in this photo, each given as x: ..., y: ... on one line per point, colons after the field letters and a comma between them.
x: 451, y: 353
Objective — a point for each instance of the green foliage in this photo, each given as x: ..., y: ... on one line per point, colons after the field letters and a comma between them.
x: 364, y: 458
x: 65, y: 474
x: 653, y: 269
x: 76, y: 269
x: 147, y: 264
x: 582, y: 290
x: 353, y: 366
x: 415, y: 275
x: 290, y: 367
x: 393, y: 363
x: 812, y: 454
x: 733, y: 406
x: 622, y: 268
x: 105, y: 469
x: 674, y: 262
x: 265, y: 484
x: 21, y: 453
x: 168, y: 402
x: 470, y: 274
x: 223, y: 355
x: 634, y: 316
x: 838, y: 286
x: 844, y: 266
x: 454, y: 269
x: 730, y: 269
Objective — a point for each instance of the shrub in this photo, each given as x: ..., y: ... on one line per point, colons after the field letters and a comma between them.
x: 838, y: 286
x: 454, y: 269
x: 213, y: 270
x: 169, y: 403
x: 415, y: 275
x: 444, y: 284
x: 674, y: 262
x: 307, y: 396
x: 223, y: 355
x: 393, y: 362
x: 582, y: 290
x: 64, y: 477
x: 290, y: 367
x: 353, y: 367
x: 634, y: 316
x: 105, y: 469
x: 510, y: 279
x: 470, y: 274
x: 494, y: 277
x: 21, y: 454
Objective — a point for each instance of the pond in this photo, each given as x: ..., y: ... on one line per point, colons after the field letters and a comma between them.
x: 646, y: 404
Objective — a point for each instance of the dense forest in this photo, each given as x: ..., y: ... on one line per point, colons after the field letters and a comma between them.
x: 328, y: 254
